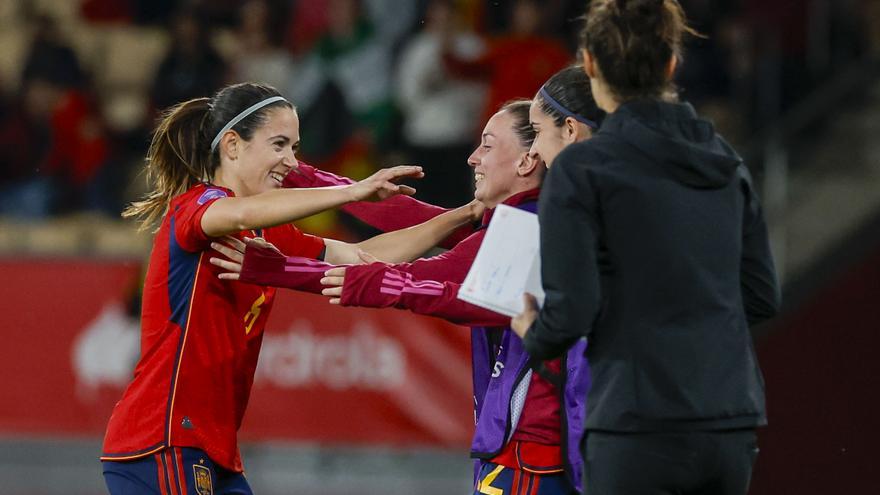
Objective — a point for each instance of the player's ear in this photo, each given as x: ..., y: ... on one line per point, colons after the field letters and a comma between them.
x: 229, y: 144
x: 529, y: 164
x: 570, y: 128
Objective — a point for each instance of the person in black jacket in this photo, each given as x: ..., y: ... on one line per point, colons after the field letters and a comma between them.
x: 655, y: 249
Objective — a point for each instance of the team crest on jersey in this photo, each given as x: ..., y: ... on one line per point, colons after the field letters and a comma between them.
x: 202, y: 477
x: 211, y: 194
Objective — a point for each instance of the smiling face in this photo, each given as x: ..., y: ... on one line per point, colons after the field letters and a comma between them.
x: 261, y: 163
x: 495, y: 161
x: 548, y: 137
x: 551, y: 139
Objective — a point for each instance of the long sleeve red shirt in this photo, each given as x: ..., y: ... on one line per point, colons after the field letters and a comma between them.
x: 427, y: 286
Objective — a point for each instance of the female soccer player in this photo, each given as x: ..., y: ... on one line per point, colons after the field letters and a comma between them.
x: 217, y: 165
x: 654, y: 246
x: 544, y: 430
x: 562, y: 113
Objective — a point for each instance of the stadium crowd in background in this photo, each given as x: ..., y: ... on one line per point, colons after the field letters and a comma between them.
x: 372, y: 89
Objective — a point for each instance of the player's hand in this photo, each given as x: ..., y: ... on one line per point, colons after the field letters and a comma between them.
x: 333, y: 281
x: 381, y: 185
x: 233, y: 250
x: 366, y: 257
x: 523, y: 321
x: 260, y: 243
x: 477, y: 209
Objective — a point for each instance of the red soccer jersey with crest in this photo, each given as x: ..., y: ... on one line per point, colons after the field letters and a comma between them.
x: 200, y: 338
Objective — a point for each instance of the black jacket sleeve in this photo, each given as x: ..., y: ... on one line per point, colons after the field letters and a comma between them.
x: 568, y: 217
x: 758, y: 281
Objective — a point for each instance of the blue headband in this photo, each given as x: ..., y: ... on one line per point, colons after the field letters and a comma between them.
x: 564, y: 111
x: 238, y: 118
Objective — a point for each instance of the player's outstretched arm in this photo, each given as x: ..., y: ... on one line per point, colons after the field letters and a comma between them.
x: 406, y: 244
x: 378, y: 286
x: 395, y: 213
x: 271, y: 208
x: 259, y: 262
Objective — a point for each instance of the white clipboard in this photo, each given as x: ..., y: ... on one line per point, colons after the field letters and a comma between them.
x: 507, y: 264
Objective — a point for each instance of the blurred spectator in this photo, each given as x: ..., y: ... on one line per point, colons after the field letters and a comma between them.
x: 216, y: 13
x: 759, y: 59
x: 59, y: 122
x: 108, y: 11
x: 517, y: 63
x: 50, y: 58
x: 441, y: 113
x: 351, y: 61
x: 260, y: 56
x: 157, y: 12
x: 24, y: 192
x: 392, y: 19
x: 191, y: 68
x: 78, y: 146
x: 307, y: 23
x: 54, y: 149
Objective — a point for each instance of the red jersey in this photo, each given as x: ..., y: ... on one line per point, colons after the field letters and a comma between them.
x: 200, y: 339
x: 539, y: 420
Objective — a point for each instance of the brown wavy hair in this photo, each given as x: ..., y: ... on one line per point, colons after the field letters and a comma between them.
x: 632, y: 42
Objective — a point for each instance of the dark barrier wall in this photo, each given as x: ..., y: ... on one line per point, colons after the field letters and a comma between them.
x: 821, y: 368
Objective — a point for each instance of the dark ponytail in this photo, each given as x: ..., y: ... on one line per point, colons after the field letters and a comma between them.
x: 632, y: 42
x: 176, y: 159
x: 570, y: 90
x: 180, y: 154
x: 522, y: 127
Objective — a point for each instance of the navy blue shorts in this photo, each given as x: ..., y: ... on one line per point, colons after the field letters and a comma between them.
x: 173, y: 471
x: 495, y: 479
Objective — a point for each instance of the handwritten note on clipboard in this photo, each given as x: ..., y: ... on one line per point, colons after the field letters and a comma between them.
x: 507, y: 264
